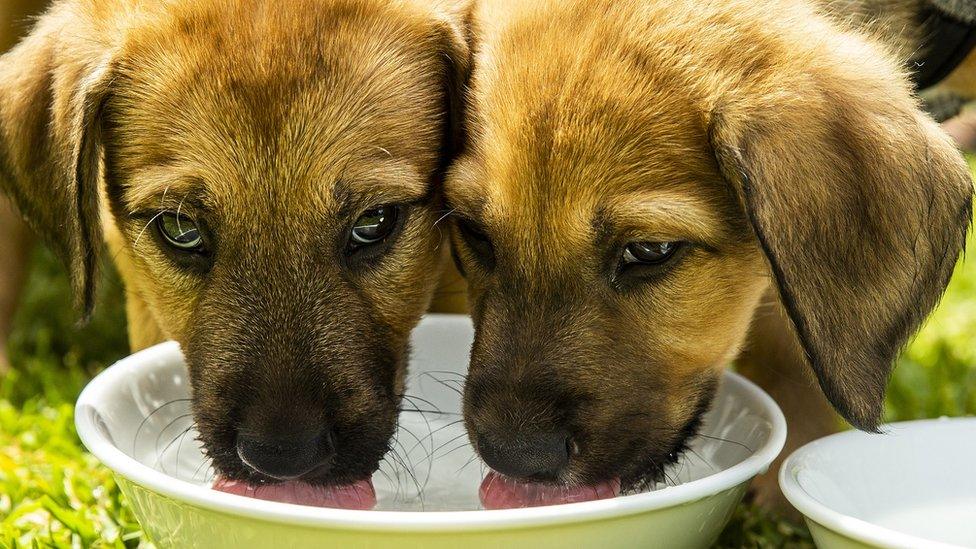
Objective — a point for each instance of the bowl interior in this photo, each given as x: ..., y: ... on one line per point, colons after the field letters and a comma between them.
x: 142, y: 408
x: 917, y: 478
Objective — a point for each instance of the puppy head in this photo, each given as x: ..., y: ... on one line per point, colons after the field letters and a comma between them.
x: 623, y: 205
x: 270, y: 181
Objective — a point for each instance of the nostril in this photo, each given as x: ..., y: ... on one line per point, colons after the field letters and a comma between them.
x: 285, y: 457
x: 572, y: 448
x: 541, y: 455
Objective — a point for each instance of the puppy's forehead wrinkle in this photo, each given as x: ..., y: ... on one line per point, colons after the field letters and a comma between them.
x: 163, y: 187
x: 297, y: 94
x: 585, y: 134
x: 616, y: 147
x: 678, y: 214
x: 386, y: 180
x: 560, y: 124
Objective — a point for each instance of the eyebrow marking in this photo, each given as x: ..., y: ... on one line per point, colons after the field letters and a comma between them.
x: 467, y: 205
x: 158, y: 181
x: 671, y: 214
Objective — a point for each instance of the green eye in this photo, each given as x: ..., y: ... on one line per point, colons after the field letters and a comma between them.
x: 373, y: 226
x: 180, y: 232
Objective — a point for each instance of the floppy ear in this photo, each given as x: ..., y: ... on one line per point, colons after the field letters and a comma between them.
x: 861, y: 205
x: 49, y: 149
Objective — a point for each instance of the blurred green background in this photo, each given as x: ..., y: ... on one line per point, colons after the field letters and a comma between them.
x: 54, y: 494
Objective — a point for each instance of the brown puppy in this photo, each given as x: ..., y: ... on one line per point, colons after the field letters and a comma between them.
x: 265, y: 179
x: 639, y: 176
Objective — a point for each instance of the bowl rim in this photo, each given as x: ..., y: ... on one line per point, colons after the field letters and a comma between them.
x: 847, y: 525
x: 404, y: 521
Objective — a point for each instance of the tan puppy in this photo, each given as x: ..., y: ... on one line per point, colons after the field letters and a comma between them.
x: 640, y: 176
x: 265, y: 178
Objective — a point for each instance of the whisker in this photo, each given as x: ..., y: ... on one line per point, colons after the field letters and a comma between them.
x: 135, y: 439
x: 172, y: 422
x: 409, y: 471
x: 396, y: 494
x: 428, y: 458
x: 667, y: 477
x: 449, y: 442
x: 178, y: 208
x: 430, y: 435
x: 703, y: 460
x: 445, y: 216
x: 422, y: 411
x: 725, y: 440
x: 448, y: 373
x: 445, y: 383
x: 199, y: 468
x: 159, y: 457
x: 412, y: 398
x: 474, y: 456
x: 146, y: 226
x: 162, y: 203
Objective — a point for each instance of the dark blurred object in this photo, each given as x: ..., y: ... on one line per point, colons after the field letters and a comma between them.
x: 950, y: 35
x: 963, y: 10
x: 941, y: 104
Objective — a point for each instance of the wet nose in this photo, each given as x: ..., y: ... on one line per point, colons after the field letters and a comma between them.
x: 286, y: 456
x: 541, y: 455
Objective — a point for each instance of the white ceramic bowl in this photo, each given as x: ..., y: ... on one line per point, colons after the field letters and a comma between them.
x: 911, y: 487
x: 133, y: 419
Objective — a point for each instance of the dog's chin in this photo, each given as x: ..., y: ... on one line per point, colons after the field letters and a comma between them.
x: 358, y: 495
x: 650, y: 470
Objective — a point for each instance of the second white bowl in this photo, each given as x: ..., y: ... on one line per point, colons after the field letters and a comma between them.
x: 911, y: 487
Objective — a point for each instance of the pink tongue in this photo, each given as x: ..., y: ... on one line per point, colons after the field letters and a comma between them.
x: 358, y: 495
x: 501, y: 492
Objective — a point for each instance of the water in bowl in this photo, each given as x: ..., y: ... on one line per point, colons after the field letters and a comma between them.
x: 949, y: 521
x: 432, y: 466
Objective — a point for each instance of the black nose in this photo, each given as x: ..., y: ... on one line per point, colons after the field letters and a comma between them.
x: 535, y: 455
x: 286, y: 457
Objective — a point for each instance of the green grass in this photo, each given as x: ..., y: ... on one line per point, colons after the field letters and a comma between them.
x: 54, y: 494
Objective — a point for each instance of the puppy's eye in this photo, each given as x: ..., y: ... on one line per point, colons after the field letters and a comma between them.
x: 649, y: 253
x: 478, y: 241
x: 180, y: 232
x: 646, y: 260
x: 373, y: 226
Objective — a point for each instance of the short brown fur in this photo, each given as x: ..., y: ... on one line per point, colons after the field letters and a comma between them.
x: 274, y: 128
x: 785, y: 147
